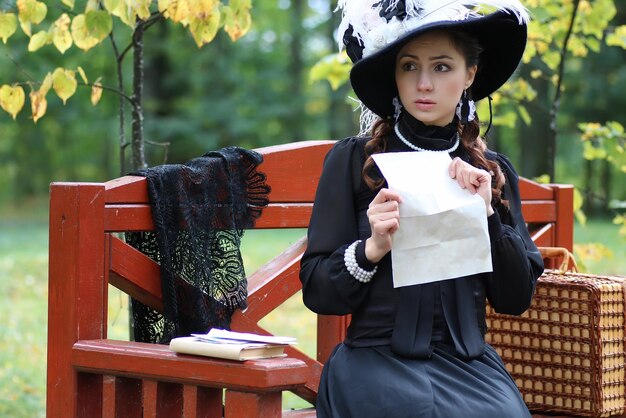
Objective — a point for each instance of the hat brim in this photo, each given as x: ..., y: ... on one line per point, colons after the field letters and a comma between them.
x: 500, y: 34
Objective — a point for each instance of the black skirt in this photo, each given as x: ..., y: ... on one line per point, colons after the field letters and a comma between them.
x: 374, y: 382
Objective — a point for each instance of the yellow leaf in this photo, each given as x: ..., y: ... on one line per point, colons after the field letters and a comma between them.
x: 26, y: 26
x: 162, y: 5
x: 92, y: 5
x: 111, y: 5
x: 38, y: 104
x: 178, y: 11
x: 81, y: 35
x: 31, y: 11
x: 96, y: 92
x: 12, y: 99
x: 238, y: 19
x: 46, y: 84
x: 124, y: 10
x: 8, y: 25
x: 82, y: 74
x: 201, y: 8
x: 64, y: 83
x: 68, y: 3
x: 204, y: 25
x: 37, y: 41
x: 61, y: 37
x: 142, y: 8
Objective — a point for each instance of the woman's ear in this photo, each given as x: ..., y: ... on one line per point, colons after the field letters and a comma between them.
x: 471, y: 74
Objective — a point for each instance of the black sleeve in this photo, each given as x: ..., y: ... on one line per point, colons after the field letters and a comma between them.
x: 516, y: 261
x: 327, y: 286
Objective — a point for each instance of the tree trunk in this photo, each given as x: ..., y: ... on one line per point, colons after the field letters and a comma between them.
x: 534, y: 138
x: 137, y: 141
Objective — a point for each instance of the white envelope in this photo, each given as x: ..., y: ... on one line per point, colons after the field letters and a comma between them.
x: 443, y: 228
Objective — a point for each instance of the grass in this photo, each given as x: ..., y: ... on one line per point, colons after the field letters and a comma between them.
x: 23, y: 313
x: 23, y: 301
x: 595, y: 260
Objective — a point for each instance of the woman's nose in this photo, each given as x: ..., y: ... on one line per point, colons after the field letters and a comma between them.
x: 424, y: 83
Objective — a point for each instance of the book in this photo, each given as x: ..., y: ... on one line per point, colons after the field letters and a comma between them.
x: 232, y: 345
x: 222, y: 335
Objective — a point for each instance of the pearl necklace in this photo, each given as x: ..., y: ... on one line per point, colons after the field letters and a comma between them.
x: 416, y: 148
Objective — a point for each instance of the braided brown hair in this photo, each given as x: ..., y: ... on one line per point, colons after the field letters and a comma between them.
x: 468, y: 133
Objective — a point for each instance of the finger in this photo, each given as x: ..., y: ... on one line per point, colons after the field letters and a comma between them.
x: 473, y: 182
x: 385, y: 195
x: 383, y: 217
x: 388, y: 226
x: 454, y: 166
x: 381, y: 208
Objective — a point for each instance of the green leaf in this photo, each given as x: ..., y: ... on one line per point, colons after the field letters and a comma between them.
x: 523, y: 112
x: 542, y: 179
x: 333, y: 68
x: 617, y: 37
x: 99, y: 24
x: 64, y: 83
x: 593, y: 153
x: 507, y: 118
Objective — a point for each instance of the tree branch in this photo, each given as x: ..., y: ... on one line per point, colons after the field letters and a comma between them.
x: 556, y: 101
x: 17, y: 64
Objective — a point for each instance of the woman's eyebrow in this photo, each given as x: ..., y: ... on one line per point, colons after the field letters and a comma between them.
x: 441, y: 57
x: 435, y: 58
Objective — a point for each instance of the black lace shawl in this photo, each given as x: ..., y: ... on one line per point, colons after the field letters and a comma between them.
x: 200, y: 210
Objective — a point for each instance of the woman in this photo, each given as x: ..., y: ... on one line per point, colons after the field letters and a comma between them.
x: 419, y: 350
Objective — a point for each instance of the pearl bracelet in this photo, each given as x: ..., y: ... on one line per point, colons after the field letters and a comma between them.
x: 349, y: 258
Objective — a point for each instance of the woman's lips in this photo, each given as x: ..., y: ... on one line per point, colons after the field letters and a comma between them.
x: 424, y: 104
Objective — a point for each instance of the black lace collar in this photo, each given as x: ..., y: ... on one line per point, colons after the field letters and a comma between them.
x: 429, y: 137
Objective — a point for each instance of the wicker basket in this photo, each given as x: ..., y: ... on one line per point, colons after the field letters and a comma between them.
x: 566, y: 353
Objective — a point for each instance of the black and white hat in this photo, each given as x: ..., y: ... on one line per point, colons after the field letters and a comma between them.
x: 374, y: 31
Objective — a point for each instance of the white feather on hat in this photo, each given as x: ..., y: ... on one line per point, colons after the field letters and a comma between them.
x: 374, y: 32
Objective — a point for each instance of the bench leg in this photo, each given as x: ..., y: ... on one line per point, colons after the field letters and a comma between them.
x: 202, y: 402
x: 249, y: 405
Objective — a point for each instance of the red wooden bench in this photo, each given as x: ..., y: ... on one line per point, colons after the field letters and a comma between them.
x: 92, y: 376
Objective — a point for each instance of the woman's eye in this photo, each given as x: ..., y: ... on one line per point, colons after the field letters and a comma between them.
x: 442, y: 68
x: 408, y: 66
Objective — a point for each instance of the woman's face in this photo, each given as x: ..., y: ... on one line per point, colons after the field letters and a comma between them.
x: 431, y: 75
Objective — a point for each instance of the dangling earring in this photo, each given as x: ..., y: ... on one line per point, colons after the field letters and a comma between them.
x: 397, y: 108
x: 466, y: 109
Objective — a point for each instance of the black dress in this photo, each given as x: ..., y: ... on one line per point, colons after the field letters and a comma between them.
x: 415, y: 351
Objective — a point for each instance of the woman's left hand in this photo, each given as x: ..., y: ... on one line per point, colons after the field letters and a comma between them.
x: 473, y: 179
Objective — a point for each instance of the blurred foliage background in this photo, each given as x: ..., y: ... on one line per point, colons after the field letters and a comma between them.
x: 251, y: 93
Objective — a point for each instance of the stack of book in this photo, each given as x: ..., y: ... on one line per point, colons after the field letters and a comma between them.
x: 232, y: 345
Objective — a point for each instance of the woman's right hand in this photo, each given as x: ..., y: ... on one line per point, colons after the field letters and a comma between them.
x: 384, y: 218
